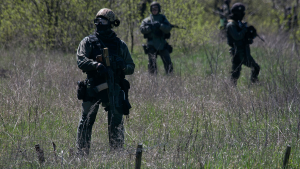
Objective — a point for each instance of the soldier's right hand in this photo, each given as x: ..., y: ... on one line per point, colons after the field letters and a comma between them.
x: 101, y: 69
x: 156, y: 24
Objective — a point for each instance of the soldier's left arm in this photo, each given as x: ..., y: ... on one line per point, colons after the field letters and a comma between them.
x: 127, y: 58
x: 165, y: 26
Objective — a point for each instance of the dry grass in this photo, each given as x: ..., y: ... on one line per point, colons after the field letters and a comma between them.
x: 191, y: 119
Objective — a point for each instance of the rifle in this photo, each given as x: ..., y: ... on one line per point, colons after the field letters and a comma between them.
x: 251, y: 32
x: 176, y: 26
x: 110, y: 78
x: 173, y: 26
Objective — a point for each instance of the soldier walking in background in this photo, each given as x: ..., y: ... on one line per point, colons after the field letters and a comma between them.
x: 239, y: 39
x: 156, y: 28
x: 224, y: 14
x: 105, y: 83
x: 143, y: 7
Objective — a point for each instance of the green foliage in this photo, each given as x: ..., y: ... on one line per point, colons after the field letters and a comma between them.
x: 55, y: 24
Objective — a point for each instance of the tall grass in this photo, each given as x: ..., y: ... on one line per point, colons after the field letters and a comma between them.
x: 191, y: 119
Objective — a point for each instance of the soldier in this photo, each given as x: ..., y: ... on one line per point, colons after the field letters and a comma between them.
x: 224, y: 14
x: 96, y: 89
x: 156, y: 28
x: 288, y: 16
x: 239, y: 43
x: 143, y: 7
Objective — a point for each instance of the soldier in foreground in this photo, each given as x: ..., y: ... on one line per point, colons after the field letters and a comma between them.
x: 239, y: 38
x: 106, y: 60
x: 156, y: 28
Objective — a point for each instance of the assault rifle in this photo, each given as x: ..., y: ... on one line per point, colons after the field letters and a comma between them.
x: 110, y: 78
x: 173, y: 26
x: 251, y: 32
x: 176, y: 26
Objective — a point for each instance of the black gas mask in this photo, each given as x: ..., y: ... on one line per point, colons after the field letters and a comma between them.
x: 102, y: 24
x: 240, y: 15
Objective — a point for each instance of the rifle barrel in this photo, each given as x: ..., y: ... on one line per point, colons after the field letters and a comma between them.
x: 176, y: 26
x: 260, y: 38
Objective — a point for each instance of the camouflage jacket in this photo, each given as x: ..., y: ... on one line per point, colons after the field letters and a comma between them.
x: 86, y: 64
x: 158, y: 41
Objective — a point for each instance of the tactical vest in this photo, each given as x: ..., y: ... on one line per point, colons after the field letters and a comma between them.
x: 114, y: 49
x: 230, y: 41
x: 166, y: 35
x: 113, y: 46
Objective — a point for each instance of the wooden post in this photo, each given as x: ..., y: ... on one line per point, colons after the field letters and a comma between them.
x: 40, y: 153
x: 286, y: 156
x: 138, y: 156
x: 54, y: 151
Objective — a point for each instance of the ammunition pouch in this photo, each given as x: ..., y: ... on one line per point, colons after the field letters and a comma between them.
x: 125, y: 86
x: 81, y: 90
x: 96, y: 91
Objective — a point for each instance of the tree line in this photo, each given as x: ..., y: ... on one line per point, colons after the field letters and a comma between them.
x: 62, y: 24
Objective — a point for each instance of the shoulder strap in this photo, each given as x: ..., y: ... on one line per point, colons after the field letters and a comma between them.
x: 164, y: 18
x: 232, y: 21
x: 119, y: 46
x: 94, y: 40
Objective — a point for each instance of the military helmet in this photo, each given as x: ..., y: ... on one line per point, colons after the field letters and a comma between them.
x: 238, y: 8
x: 109, y: 15
x: 155, y: 4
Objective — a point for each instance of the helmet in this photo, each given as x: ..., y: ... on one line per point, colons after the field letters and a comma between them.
x: 155, y: 4
x: 109, y: 15
x: 238, y: 8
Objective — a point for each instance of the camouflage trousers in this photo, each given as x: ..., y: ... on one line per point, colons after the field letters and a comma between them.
x: 242, y: 58
x: 165, y: 56
x: 88, y: 116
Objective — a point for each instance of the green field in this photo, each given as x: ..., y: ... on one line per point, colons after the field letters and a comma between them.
x: 191, y: 119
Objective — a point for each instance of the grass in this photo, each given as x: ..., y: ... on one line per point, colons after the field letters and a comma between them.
x: 192, y: 119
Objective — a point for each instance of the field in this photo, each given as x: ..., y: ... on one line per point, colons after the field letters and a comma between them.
x: 192, y: 119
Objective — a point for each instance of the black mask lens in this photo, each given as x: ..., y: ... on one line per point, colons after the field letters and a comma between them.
x: 100, y: 21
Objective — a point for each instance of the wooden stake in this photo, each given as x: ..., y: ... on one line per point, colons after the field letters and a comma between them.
x: 138, y: 158
x: 286, y: 156
x: 40, y: 153
x: 54, y: 151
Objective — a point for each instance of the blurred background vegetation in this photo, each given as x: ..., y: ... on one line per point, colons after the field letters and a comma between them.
x: 193, y: 119
x: 62, y: 24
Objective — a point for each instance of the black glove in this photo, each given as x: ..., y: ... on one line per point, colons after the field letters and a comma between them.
x: 120, y: 63
x: 101, y: 69
x: 252, y: 32
x: 156, y: 25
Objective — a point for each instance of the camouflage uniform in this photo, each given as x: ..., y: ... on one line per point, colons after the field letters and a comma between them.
x: 240, y: 51
x: 86, y: 61
x: 156, y: 43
